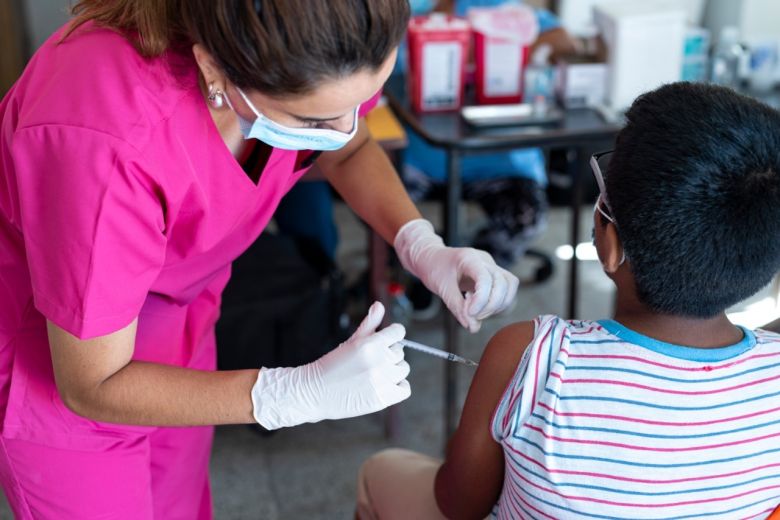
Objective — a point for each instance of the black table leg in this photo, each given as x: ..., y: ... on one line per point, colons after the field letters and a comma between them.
x: 378, y: 258
x: 379, y: 254
x: 451, y: 325
x: 574, y: 167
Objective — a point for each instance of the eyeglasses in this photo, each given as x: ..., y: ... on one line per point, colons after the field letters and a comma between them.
x: 599, y: 163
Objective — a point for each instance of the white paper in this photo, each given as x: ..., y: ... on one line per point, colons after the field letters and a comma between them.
x: 441, y: 62
x: 503, y: 62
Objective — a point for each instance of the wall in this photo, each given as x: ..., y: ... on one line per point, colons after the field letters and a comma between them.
x: 13, y: 43
x: 43, y: 18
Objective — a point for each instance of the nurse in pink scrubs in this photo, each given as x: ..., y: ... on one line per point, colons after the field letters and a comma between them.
x: 123, y: 203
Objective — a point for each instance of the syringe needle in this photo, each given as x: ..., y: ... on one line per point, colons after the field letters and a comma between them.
x: 449, y: 356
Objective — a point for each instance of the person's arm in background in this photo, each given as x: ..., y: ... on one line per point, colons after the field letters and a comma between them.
x: 560, y: 41
x: 550, y: 30
x: 553, y: 34
x: 469, y: 482
x: 445, y: 6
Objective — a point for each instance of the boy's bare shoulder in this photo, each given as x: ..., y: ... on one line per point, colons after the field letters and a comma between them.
x: 511, y: 339
x: 505, y: 349
x: 518, y: 331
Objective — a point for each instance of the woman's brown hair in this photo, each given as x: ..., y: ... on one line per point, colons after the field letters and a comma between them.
x: 278, y: 47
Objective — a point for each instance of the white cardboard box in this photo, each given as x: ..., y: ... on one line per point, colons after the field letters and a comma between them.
x: 644, y: 40
x: 581, y: 84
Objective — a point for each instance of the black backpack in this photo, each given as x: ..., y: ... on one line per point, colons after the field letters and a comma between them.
x: 284, y: 306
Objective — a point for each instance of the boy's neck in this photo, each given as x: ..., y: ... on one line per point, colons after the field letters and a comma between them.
x: 691, y: 332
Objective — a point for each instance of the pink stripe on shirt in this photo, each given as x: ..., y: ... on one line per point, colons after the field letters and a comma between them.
x: 641, y: 504
x: 664, y: 390
x: 648, y: 448
x: 703, y: 368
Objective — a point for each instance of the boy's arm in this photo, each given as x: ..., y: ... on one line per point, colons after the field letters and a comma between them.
x: 469, y: 482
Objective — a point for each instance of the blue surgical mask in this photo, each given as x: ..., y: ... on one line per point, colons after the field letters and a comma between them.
x: 286, y: 138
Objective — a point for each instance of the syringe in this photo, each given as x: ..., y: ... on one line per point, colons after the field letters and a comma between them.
x: 449, y: 356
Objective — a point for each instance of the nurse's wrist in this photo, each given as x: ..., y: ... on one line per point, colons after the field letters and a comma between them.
x: 262, y: 407
x: 276, y: 402
x: 412, y: 239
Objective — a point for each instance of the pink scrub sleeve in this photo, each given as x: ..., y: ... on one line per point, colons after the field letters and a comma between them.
x: 93, y: 226
x: 369, y: 105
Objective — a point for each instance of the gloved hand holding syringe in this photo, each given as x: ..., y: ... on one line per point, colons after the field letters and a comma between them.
x: 449, y: 356
x: 365, y: 374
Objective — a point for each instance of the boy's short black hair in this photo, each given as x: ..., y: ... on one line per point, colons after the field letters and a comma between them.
x: 694, y: 185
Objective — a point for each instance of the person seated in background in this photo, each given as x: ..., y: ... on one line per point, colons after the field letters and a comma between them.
x: 666, y: 410
x: 508, y: 186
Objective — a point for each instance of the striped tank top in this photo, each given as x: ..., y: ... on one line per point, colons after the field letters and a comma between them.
x: 602, y: 422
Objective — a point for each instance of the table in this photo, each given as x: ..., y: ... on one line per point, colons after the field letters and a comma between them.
x: 580, y: 129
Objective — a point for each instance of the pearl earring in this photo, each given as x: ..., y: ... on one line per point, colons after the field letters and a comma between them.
x: 216, y: 97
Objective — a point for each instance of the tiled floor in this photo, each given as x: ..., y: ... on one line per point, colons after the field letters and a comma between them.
x: 309, y: 471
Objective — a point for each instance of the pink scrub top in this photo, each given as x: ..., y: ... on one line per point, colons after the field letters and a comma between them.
x: 118, y: 199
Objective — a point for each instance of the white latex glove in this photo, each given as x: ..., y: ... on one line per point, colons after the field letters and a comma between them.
x: 451, y: 271
x: 365, y: 374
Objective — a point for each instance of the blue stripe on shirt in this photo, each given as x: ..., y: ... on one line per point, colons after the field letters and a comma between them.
x: 637, y: 493
x: 651, y: 435
x: 522, y: 487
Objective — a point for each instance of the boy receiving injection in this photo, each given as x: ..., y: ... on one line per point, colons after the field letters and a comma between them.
x: 665, y: 411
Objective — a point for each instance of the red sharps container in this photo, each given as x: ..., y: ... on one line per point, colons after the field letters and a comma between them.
x: 502, y: 38
x: 438, y: 47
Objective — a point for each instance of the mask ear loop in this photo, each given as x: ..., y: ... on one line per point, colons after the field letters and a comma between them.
x: 254, y: 110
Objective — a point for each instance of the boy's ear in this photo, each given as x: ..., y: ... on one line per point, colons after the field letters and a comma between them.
x: 615, y: 255
x: 608, y: 246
